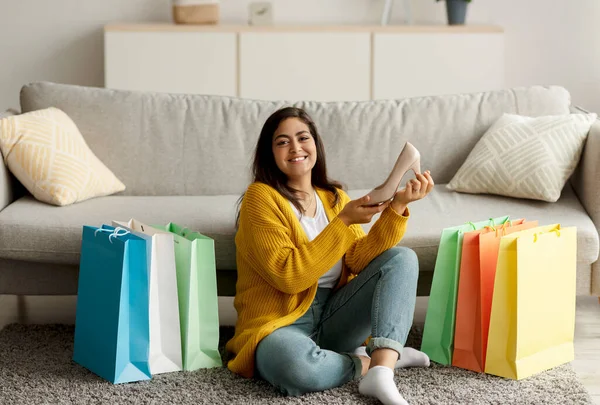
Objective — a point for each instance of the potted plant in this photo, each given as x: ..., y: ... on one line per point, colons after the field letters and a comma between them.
x: 457, y: 11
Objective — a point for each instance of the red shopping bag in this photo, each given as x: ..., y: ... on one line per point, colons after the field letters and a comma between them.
x: 475, y: 290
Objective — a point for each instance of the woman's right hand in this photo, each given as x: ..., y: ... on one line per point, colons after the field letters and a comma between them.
x: 357, y: 211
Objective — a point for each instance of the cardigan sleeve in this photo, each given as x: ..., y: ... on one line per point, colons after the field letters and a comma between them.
x: 268, y: 247
x: 385, y: 233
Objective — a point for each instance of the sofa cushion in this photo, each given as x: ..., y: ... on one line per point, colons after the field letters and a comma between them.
x: 445, y: 208
x: 525, y: 157
x: 30, y: 230
x: 206, y: 143
x: 46, y: 152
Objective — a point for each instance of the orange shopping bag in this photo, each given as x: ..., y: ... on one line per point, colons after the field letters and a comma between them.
x: 475, y: 290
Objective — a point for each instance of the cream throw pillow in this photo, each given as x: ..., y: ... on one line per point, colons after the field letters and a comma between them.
x: 525, y: 157
x: 47, y: 153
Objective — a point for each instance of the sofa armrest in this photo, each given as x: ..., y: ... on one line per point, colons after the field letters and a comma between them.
x: 586, y: 178
x: 7, y: 182
x: 586, y: 183
x: 7, y: 194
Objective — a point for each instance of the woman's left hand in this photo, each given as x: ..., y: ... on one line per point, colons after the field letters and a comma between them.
x: 415, y: 190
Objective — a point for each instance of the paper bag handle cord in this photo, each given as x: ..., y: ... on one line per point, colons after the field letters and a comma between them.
x: 494, y: 222
x: 118, y: 231
x: 535, y: 235
x: 503, y: 227
x: 494, y: 228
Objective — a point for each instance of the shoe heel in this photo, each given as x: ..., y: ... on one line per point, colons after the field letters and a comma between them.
x: 386, y: 191
x: 416, y: 166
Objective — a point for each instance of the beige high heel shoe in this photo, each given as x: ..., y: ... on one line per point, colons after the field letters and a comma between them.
x: 409, y: 159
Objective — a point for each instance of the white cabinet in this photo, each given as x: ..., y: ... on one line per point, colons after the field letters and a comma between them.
x: 337, y: 63
x: 305, y: 66
x: 423, y: 64
x: 172, y: 62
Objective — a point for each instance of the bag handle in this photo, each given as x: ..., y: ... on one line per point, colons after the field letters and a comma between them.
x: 118, y: 231
x: 493, y: 224
x: 535, y: 235
x: 504, y: 226
x: 493, y: 227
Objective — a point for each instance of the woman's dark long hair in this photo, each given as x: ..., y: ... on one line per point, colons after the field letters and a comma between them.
x: 264, y: 167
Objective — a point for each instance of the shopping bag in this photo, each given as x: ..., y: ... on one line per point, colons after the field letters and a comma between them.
x: 475, y: 289
x: 197, y: 291
x: 532, y: 323
x: 111, y: 321
x: 165, y: 333
x: 438, y: 332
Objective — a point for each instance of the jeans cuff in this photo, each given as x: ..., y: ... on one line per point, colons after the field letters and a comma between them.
x: 357, y: 365
x: 381, y: 342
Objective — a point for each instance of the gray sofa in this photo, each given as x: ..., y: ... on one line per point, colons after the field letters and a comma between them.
x: 186, y: 159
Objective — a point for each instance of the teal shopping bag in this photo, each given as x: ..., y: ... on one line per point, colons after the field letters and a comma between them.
x: 438, y: 332
x: 198, y: 300
x: 112, y: 336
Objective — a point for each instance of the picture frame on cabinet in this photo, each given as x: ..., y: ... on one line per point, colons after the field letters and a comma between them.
x: 260, y: 13
x: 387, y: 12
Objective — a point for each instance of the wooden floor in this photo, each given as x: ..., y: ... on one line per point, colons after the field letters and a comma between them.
x: 587, y: 328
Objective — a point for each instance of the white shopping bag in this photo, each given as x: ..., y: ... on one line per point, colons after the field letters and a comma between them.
x: 165, y: 333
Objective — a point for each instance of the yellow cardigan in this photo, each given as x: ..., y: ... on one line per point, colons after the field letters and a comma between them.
x: 278, y: 268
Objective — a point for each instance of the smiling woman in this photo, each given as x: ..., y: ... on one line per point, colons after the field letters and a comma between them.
x: 290, y: 157
x: 296, y: 155
x: 312, y: 286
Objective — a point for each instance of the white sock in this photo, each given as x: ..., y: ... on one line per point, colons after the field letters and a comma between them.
x: 410, y: 357
x: 379, y: 383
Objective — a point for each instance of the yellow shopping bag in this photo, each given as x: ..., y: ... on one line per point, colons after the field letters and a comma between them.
x: 533, y: 307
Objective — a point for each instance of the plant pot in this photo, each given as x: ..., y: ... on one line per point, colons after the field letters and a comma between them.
x: 457, y: 11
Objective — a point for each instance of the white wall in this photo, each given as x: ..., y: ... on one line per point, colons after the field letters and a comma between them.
x: 61, y: 40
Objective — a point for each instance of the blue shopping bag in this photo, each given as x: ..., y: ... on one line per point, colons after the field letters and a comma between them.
x: 112, y: 336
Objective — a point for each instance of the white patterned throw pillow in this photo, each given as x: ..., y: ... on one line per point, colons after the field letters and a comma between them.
x: 46, y: 152
x: 525, y: 157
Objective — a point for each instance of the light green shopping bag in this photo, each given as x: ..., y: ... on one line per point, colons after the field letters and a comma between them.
x: 197, y: 290
x: 438, y: 332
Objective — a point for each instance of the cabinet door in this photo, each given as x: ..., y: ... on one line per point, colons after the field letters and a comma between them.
x: 320, y: 66
x: 172, y: 62
x: 423, y: 64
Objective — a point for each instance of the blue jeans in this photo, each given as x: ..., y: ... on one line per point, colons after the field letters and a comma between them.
x: 315, y: 352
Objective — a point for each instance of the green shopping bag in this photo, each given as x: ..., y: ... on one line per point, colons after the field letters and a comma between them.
x: 197, y: 290
x: 438, y: 332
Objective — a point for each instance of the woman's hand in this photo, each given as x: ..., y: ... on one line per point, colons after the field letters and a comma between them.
x: 355, y: 212
x: 415, y: 190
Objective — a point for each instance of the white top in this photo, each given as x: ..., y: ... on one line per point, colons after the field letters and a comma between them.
x: 313, y: 227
